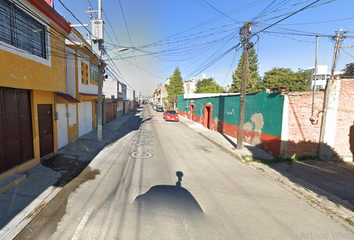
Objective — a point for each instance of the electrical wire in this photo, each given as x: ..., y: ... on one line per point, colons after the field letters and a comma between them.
x: 130, y: 40
x: 302, y: 9
x: 75, y: 17
x: 192, y: 46
x: 91, y: 33
x: 115, y: 35
x: 328, y: 21
x: 212, y: 8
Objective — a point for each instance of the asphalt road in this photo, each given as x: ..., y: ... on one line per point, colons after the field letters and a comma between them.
x: 161, y: 180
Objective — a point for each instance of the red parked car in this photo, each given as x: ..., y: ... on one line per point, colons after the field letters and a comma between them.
x: 170, y: 115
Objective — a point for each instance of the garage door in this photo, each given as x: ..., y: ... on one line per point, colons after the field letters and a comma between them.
x: 88, y: 117
x: 85, y: 118
x: 62, y: 126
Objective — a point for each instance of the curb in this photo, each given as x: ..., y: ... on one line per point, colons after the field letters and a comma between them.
x: 338, y: 213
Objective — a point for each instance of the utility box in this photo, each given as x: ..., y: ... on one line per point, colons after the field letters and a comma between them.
x: 97, y: 30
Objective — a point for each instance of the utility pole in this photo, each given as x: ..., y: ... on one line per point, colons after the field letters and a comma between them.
x: 325, y: 151
x: 244, y: 34
x: 313, y: 118
x: 97, y: 32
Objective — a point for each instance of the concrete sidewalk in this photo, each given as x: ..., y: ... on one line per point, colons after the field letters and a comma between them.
x: 327, y: 186
x: 20, y: 204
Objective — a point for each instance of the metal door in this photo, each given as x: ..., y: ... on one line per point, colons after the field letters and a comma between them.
x: 85, y: 118
x: 16, y: 139
x: 45, y: 122
x: 81, y: 117
x: 207, y: 116
x: 88, y: 117
x: 25, y: 120
x: 114, y: 110
x: 11, y: 128
x: 192, y: 111
x: 2, y: 140
x: 62, y: 126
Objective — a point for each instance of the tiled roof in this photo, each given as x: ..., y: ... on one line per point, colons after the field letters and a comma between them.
x: 68, y: 97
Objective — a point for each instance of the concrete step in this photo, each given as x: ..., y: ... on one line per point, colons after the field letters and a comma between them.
x: 11, y: 181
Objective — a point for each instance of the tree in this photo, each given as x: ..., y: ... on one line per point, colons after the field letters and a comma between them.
x: 293, y: 81
x: 176, y: 85
x: 208, y: 86
x: 253, y: 80
x: 349, y: 70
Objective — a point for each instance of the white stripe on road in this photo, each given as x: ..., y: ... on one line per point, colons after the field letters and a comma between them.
x: 82, y: 224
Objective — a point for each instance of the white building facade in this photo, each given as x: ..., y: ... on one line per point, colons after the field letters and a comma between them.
x: 323, y: 74
x: 189, y: 86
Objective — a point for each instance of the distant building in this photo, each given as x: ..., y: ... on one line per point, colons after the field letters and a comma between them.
x: 189, y: 86
x: 114, y: 90
x: 227, y: 88
x: 110, y: 89
x: 323, y: 74
x: 161, y: 95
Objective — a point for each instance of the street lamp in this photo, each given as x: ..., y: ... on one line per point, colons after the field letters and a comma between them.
x: 120, y: 50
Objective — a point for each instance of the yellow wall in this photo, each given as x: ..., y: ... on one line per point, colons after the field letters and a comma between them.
x: 42, y: 97
x: 17, y: 71
x: 20, y: 72
x: 37, y: 97
x: 73, y: 130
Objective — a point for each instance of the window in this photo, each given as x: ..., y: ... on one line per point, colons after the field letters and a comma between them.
x: 94, y: 74
x: 21, y: 30
x: 84, y: 73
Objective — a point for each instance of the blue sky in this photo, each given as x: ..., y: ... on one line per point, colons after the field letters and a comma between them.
x: 199, y: 36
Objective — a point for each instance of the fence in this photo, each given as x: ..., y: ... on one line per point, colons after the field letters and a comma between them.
x: 345, y: 58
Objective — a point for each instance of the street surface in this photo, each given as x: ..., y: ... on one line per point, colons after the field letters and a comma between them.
x: 161, y: 180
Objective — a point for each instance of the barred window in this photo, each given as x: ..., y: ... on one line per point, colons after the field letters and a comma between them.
x: 21, y: 30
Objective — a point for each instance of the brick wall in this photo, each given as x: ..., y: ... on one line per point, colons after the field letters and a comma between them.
x: 111, y: 111
x: 303, y: 136
x: 344, y: 139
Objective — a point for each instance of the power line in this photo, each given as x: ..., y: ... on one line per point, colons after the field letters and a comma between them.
x: 179, y: 46
x: 291, y: 13
x: 126, y: 26
x: 329, y: 21
x: 75, y: 17
x: 302, y: 9
x: 214, y: 8
x: 109, y: 23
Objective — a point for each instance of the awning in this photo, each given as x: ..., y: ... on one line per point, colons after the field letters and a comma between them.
x: 66, y: 98
x: 83, y: 97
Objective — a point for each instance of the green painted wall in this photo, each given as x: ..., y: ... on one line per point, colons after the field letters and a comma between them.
x: 226, y: 109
